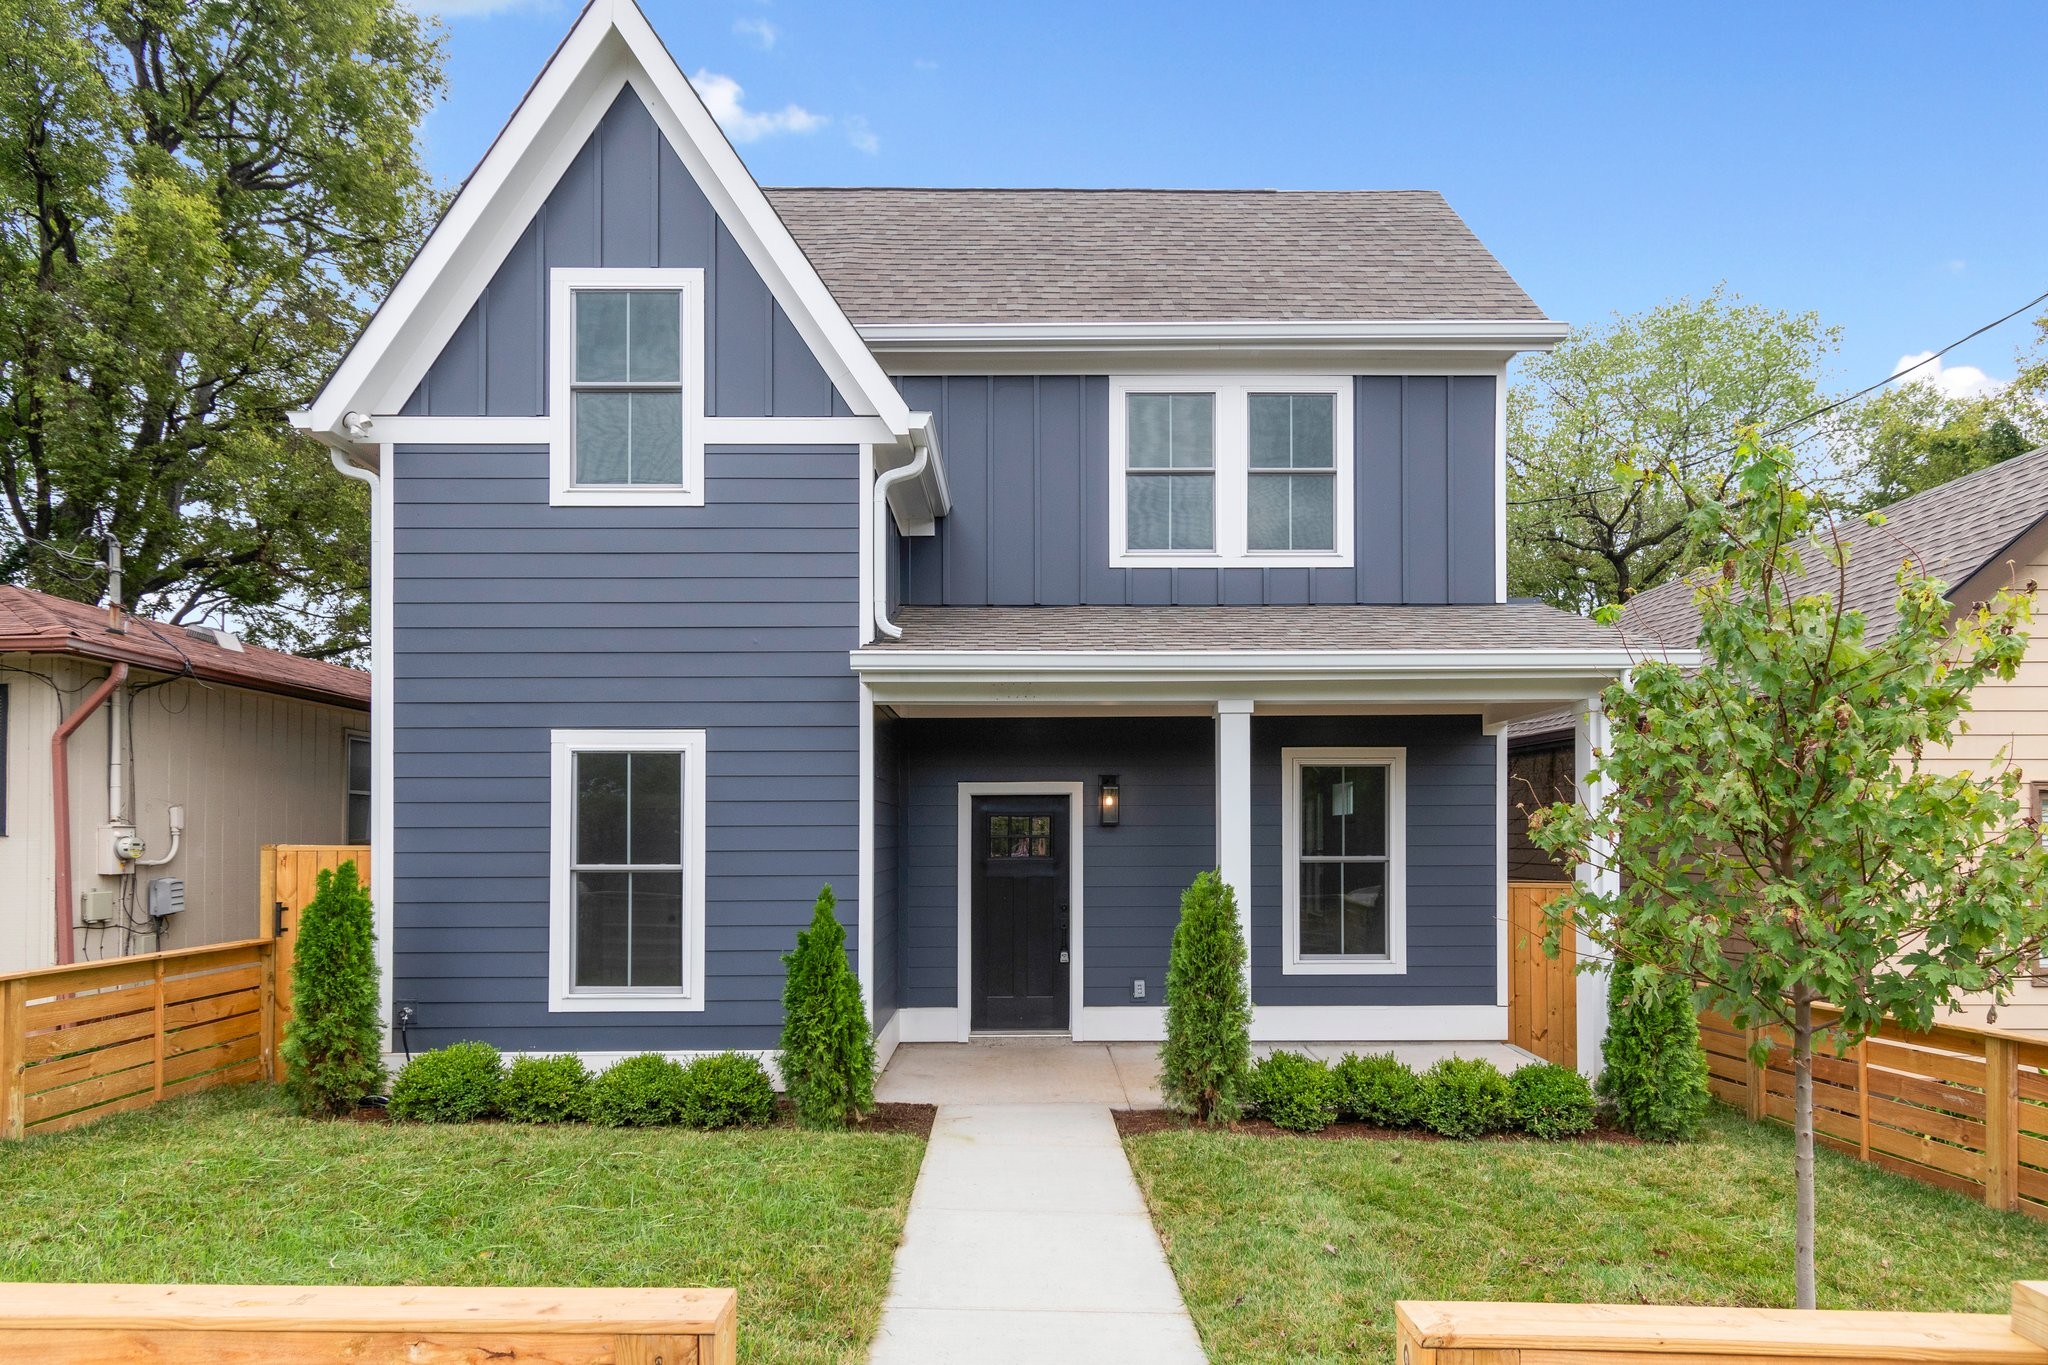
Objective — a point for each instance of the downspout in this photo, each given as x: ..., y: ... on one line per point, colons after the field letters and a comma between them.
x: 60, y: 801
x: 883, y: 483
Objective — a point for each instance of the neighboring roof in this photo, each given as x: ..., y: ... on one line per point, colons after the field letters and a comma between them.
x: 1536, y: 731
x: 1954, y: 531
x: 37, y: 623
x: 983, y: 255
x: 1211, y: 630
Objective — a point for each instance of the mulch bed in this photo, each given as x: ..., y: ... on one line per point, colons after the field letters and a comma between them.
x: 1144, y: 1122
x: 913, y: 1119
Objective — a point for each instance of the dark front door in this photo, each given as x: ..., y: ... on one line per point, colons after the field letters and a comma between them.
x: 1020, y: 912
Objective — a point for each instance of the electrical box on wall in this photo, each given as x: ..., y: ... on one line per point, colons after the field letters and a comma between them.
x: 166, y: 896
x: 95, y: 908
x: 116, y: 849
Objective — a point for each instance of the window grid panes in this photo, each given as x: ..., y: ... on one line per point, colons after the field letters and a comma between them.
x: 626, y: 871
x: 1170, y: 471
x: 626, y: 387
x: 1020, y: 836
x: 1291, y: 500
x: 1344, y: 861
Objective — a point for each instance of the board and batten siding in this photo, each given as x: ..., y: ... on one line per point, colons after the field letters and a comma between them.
x: 626, y: 201
x: 512, y: 618
x: 1454, y: 890
x: 1027, y: 461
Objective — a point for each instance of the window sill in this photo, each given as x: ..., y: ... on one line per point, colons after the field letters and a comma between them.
x: 625, y: 495
x: 1343, y: 966
x: 1182, y: 559
x: 590, y: 1003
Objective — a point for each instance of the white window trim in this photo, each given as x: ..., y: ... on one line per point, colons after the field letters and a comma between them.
x: 563, y: 746
x: 1292, y: 963
x: 1233, y: 473
x: 563, y: 490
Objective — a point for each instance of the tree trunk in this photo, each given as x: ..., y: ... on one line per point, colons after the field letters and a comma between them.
x: 1802, y: 1152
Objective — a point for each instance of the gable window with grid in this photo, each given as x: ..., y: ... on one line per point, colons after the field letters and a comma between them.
x: 627, y: 905
x: 1242, y: 471
x: 626, y: 393
x: 1345, y: 861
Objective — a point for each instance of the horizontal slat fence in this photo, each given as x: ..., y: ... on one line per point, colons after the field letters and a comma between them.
x: 81, y: 1042
x: 1959, y: 1107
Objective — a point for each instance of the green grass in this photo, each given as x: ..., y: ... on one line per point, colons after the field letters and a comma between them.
x: 1295, y: 1250
x: 227, y: 1187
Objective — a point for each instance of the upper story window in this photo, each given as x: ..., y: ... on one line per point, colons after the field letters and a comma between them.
x: 626, y: 391
x: 1252, y: 471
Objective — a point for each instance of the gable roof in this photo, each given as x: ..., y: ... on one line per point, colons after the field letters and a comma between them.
x: 1486, y: 626
x: 1957, y: 531
x: 896, y: 256
x: 38, y: 623
x: 611, y: 46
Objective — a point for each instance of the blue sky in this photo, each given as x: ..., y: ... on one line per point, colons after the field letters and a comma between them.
x: 1879, y: 163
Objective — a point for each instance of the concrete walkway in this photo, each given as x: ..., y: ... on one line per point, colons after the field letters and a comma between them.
x: 1028, y: 1241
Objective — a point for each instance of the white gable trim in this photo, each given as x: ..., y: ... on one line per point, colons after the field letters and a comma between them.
x: 611, y: 46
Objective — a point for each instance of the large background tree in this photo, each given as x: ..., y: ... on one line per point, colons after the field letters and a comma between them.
x: 196, y: 199
x: 1614, y: 436
x: 1913, y: 437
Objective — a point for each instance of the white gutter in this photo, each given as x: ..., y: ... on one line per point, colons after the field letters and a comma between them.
x: 883, y: 483
x: 1506, y: 334
x: 1261, y: 662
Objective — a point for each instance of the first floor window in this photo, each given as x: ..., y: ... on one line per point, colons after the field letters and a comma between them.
x: 358, y: 818
x: 629, y: 850
x: 1345, y: 859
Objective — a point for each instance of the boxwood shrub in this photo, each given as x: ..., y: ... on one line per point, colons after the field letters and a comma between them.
x: 1550, y: 1101
x: 1465, y: 1098
x: 1294, y: 1091
x: 545, y: 1090
x: 639, y: 1092
x: 727, y: 1090
x: 459, y: 1083
x: 1378, y: 1088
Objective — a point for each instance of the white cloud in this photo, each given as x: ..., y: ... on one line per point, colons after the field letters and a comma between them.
x: 924, y: 64
x: 1954, y: 381
x: 861, y: 137
x: 760, y: 30
x: 724, y: 97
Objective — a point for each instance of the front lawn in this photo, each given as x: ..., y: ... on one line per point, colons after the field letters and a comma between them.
x: 227, y: 1187
x: 1292, y: 1249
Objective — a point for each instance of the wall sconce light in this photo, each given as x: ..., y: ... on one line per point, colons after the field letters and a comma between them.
x: 1112, y: 804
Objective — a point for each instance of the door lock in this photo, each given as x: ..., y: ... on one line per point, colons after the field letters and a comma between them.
x: 1063, y: 957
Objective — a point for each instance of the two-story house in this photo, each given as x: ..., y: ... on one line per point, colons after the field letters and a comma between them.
x: 1001, y: 558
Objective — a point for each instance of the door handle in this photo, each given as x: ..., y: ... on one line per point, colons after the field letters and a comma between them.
x: 1065, y: 945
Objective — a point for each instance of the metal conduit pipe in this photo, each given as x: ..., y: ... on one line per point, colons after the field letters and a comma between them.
x: 60, y: 801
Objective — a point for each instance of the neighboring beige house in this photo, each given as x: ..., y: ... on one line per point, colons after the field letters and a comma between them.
x: 251, y: 746
x: 1982, y: 532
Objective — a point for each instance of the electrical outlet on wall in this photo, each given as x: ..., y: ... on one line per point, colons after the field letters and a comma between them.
x: 1137, y: 988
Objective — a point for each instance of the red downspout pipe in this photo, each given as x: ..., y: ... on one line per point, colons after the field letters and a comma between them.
x: 60, y: 801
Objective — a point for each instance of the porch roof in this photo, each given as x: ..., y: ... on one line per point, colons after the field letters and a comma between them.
x: 1483, y: 627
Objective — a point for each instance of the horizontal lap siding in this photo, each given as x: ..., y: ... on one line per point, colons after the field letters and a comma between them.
x: 1453, y: 862
x: 1028, y: 465
x: 512, y: 618
x: 1132, y: 876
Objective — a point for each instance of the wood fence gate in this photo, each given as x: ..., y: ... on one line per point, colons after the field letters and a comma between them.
x: 290, y: 874
x: 1543, y: 998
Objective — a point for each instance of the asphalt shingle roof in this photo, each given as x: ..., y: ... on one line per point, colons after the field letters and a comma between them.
x: 1223, y: 630
x: 1952, y: 531
x: 978, y: 255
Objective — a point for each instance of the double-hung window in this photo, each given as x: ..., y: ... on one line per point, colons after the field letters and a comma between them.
x: 1345, y: 860
x: 626, y: 389
x: 1213, y: 472
x: 357, y: 816
x: 627, y: 905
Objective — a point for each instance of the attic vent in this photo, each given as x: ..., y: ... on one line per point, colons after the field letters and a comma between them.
x: 214, y: 635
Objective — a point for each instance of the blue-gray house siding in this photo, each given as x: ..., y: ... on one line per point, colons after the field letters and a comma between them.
x: 1027, y: 459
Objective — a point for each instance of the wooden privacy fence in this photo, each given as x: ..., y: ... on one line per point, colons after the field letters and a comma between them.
x: 1960, y: 1107
x: 1633, y: 1334
x: 286, y: 882
x: 1543, y: 998
x: 98, y: 1324
x: 78, y: 1043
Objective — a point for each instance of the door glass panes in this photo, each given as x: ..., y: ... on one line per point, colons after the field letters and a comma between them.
x: 626, y: 388
x: 1020, y: 836
x: 627, y: 870
x: 1170, y: 479
x: 1291, y: 499
x: 1344, y: 860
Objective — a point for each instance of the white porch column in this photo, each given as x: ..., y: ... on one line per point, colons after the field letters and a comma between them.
x: 1234, y: 811
x: 1589, y: 734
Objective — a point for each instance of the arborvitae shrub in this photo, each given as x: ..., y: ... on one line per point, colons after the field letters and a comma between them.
x: 1378, y: 1088
x: 1291, y: 1090
x: 1654, y: 1077
x: 1465, y: 1098
x: 333, y: 1045
x: 638, y: 1092
x: 1550, y: 1101
x: 727, y: 1090
x: 1206, y: 1059
x: 545, y: 1090
x: 459, y: 1083
x: 828, y: 1051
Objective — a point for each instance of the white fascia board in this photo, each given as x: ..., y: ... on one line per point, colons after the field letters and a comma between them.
x: 1254, y: 663
x: 1538, y: 334
x: 611, y: 46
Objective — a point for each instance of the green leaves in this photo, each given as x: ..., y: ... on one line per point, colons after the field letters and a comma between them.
x: 828, y: 1050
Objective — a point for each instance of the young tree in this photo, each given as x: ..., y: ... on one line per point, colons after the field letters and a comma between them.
x: 1614, y: 436
x: 1207, y: 1056
x: 828, y: 1050
x: 1782, y: 842
x: 333, y: 1043
x: 195, y: 202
